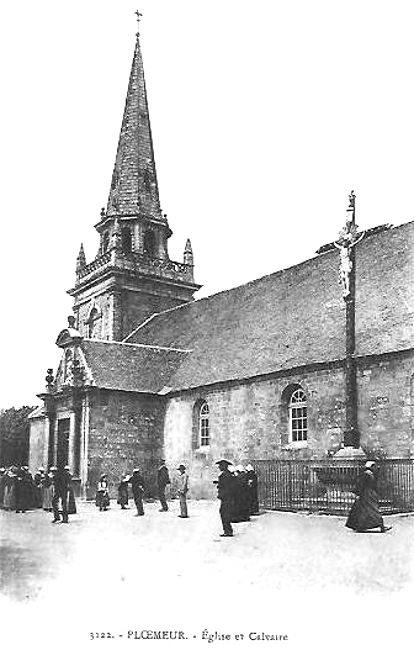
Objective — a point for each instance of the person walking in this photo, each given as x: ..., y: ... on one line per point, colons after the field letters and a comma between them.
x: 71, y: 492
x: 137, y: 486
x: 61, y: 481
x: 102, y: 500
x: 182, y: 490
x: 163, y: 479
x: 225, y: 492
x: 364, y: 514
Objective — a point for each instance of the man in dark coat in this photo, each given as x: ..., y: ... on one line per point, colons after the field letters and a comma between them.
x: 225, y: 492
x: 137, y: 486
x: 163, y: 479
x: 253, y: 491
x: 61, y: 481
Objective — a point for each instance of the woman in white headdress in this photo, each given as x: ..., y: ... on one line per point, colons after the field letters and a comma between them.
x: 365, y: 514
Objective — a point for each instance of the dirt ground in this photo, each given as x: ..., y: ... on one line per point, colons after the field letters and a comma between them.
x: 302, y: 576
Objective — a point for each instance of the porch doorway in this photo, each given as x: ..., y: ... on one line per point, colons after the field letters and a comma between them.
x: 63, y: 442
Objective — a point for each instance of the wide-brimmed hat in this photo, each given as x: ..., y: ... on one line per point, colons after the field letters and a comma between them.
x: 181, y: 466
x: 67, y: 467
x: 223, y: 461
x: 370, y: 463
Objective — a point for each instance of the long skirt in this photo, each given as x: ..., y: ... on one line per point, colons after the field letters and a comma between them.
x: 47, y: 498
x: 102, y: 499
x: 71, y: 502
x: 123, y: 495
x: 365, y: 514
x: 9, y: 497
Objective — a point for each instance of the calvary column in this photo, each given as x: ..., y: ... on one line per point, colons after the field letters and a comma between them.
x: 346, y: 243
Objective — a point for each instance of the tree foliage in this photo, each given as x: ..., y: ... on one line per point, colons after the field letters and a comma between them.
x: 14, y: 436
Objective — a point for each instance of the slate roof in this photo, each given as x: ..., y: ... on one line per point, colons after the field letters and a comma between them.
x: 293, y: 317
x: 121, y: 366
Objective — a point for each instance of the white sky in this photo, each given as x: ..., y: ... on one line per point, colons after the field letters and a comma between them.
x: 265, y: 115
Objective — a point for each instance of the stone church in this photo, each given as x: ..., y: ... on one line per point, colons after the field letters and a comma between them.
x: 257, y: 372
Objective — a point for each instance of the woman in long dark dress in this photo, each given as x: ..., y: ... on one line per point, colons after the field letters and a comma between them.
x: 364, y: 514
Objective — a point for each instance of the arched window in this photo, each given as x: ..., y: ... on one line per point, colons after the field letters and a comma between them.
x: 203, y: 425
x: 93, y: 324
x: 298, y: 417
x: 149, y: 243
x: 126, y: 240
x: 105, y: 241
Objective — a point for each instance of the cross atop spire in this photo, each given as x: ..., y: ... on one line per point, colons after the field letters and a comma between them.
x: 139, y: 16
x: 134, y: 186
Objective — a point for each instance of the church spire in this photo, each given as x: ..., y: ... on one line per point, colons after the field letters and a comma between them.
x: 134, y: 186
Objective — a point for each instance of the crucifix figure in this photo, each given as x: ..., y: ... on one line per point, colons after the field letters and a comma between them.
x: 138, y: 15
x: 348, y: 238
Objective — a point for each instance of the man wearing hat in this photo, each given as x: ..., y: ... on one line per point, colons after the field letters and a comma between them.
x: 163, y: 479
x: 61, y: 481
x: 182, y: 490
x: 137, y: 486
x: 225, y: 492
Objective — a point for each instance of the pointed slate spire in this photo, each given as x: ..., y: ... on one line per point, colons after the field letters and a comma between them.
x: 134, y: 187
x: 80, y: 260
x: 188, y: 254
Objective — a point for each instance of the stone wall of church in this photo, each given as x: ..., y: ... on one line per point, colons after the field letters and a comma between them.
x: 250, y: 420
x: 126, y: 431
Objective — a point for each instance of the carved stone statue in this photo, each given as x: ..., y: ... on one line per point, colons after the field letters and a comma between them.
x: 349, y: 237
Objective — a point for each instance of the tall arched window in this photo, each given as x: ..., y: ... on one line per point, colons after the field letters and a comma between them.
x: 149, y: 243
x: 203, y: 425
x: 298, y: 417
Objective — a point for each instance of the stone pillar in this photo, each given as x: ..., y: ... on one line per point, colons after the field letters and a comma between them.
x: 84, y: 444
x: 71, y: 451
x: 351, y: 433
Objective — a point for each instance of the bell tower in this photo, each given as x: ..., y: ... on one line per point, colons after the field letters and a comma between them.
x: 132, y: 276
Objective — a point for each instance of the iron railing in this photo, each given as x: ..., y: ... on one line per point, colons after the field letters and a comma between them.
x: 328, y: 486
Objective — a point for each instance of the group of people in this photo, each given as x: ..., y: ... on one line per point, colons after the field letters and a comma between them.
x: 21, y: 491
x: 136, y: 481
x: 237, y: 491
x: 52, y: 490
